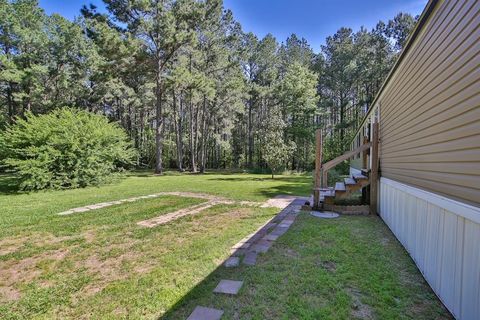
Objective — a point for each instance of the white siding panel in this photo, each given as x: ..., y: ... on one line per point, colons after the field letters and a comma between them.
x: 457, y: 305
x: 471, y: 272
x: 449, y: 247
x: 443, y: 238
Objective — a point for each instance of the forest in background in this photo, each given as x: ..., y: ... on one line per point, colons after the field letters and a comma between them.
x: 189, y: 86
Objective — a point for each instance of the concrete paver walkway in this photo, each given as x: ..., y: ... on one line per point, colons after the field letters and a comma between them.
x: 249, y: 247
x: 261, y: 240
x: 204, y: 313
x: 228, y: 287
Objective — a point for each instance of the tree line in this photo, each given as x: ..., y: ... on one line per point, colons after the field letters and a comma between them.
x: 189, y: 86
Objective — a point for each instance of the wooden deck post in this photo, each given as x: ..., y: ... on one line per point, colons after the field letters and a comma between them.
x: 374, y: 170
x: 364, y: 166
x: 318, y: 168
x: 365, y: 154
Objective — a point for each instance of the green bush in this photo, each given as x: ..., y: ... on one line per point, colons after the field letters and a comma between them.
x: 66, y: 148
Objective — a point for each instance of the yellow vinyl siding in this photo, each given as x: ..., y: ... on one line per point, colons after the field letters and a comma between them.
x: 430, y: 108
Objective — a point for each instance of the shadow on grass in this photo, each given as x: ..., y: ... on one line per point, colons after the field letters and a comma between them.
x: 308, y: 274
x: 202, y: 293
x: 211, y: 172
x: 293, y: 185
x: 186, y: 305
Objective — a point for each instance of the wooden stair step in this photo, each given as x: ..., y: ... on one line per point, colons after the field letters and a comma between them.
x: 349, y: 181
x: 359, y: 177
x: 340, y: 187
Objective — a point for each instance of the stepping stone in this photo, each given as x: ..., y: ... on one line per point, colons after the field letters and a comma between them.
x: 95, y: 206
x: 278, y: 231
x: 238, y: 252
x: 66, y: 212
x: 270, y: 225
x: 232, y: 262
x: 204, y: 313
x: 271, y: 237
x: 242, y: 245
x: 250, y: 258
x: 228, y: 287
x: 261, y: 248
x: 286, y: 222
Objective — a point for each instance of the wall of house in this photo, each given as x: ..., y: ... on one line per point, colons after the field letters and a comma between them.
x: 429, y: 117
x: 443, y: 238
x: 430, y: 107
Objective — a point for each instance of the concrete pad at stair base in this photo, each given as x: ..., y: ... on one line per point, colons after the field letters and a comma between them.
x: 204, y: 313
x: 324, y: 214
x: 228, y: 287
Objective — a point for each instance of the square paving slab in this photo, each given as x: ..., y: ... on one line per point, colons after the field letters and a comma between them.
x: 270, y: 237
x: 250, y: 258
x: 261, y: 248
x: 278, y: 231
x: 228, y: 287
x: 232, y: 262
x: 204, y: 313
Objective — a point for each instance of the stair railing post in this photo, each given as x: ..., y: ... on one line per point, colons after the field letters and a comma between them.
x: 324, y: 178
x: 318, y: 168
x: 374, y: 170
x: 364, y: 166
x: 364, y: 154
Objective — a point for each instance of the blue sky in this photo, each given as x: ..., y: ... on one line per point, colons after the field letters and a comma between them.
x: 313, y: 20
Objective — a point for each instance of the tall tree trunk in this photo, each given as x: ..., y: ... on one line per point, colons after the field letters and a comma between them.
x: 193, y: 151
x: 177, y: 123
x: 204, y: 133
x: 11, y: 107
x: 250, y: 134
x: 159, y: 119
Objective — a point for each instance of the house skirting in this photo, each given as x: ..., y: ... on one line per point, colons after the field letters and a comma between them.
x: 443, y: 238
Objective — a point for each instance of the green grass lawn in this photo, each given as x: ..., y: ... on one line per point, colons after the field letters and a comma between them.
x: 346, y: 268
x: 101, y: 265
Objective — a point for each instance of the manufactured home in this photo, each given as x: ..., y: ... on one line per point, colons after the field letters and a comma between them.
x: 425, y: 122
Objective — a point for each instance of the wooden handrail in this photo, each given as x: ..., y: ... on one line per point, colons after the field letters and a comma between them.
x: 332, y: 163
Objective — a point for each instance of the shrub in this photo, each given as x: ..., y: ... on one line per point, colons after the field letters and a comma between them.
x: 66, y: 148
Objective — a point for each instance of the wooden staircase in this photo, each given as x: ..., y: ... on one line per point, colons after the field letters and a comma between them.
x: 323, y: 195
x: 343, y: 189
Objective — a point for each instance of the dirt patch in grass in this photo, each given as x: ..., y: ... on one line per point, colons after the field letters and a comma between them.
x: 12, y: 244
x: 290, y: 253
x: 14, y: 272
x: 9, y: 294
x: 37, y: 239
x: 359, y: 309
x: 125, y: 263
x: 329, y: 266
